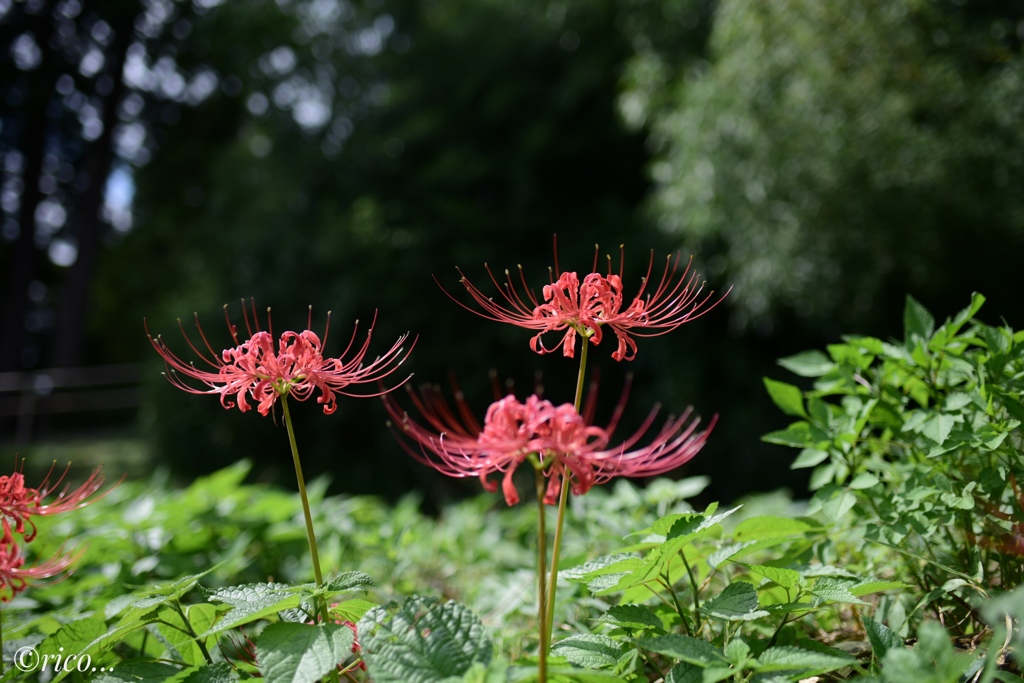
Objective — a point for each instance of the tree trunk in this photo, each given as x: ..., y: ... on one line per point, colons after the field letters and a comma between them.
x: 72, y: 323
x: 22, y: 261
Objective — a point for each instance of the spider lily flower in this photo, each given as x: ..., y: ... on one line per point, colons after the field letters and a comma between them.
x: 572, y: 306
x: 560, y: 442
x: 19, y: 503
x: 14, y: 578
x: 255, y: 368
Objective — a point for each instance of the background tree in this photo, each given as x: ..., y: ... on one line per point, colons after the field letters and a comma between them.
x: 838, y: 157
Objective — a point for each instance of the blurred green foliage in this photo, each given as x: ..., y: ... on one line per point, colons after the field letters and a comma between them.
x: 841, y: 156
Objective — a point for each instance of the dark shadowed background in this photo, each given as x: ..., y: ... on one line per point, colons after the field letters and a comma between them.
x: 164, y: 157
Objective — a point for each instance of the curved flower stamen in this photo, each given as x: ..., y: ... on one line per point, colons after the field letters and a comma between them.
x: 575, y: 307
x: 558, y: 439
x: 256, y: 369
x: 19, y: 503
x: 14, y: 578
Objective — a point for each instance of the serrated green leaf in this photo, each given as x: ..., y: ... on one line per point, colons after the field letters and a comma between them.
x: 787, y: 578
x: 917, y: 321
x: 869, y: 587
x: 722, y: 554
x: 685, y: 673
x: 785, y: 658
x: 812, y: 363
x: 577, y: 574
x: 302, y: 653
x: 250, y: 602
x: 787, y: 397
x: 633, y: 617
x: 961, y: 318
x: 137, y: 671
x: 809, y: 457
x: 938, y: 427
x: 797, y: 435
x: 348, y: 581
x: 181, y: 646
x: 864, y: 480
x: 352, y: 610
x: 882, y: 639
x: 1013, y: 406
x: 737, y: 651
x: 771, y: 526
x: 220, y: 672
x: 736, y: 602
x: 589, y: 650
x: 81, y: 637
x: 833, y: 501
x: 683, y: 648
x: 829, y: 590
x: 422, y: 641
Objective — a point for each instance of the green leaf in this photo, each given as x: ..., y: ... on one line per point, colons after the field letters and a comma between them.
x: 882, y: 639
x: 812, y: 363
x: 797, y: 434
x: 864, y: 480
x: 633, y: 617
x: 784, y: 658
x: 809, y: 457
x: 589, y: 650
x: 220, y: 672
x: 834, y: 592
x: 348, y: 581
x: 737, y: 651
x: 422, y: 641
x: 961, y: 318
x: 917, y: 321
x: 352, y: 610
x: 787, y: 397
x: 251, y: 602
x: 771, y: 526
x: 1014, y: 407
x: 787, y: 578
x: 833, y: 501
x: 938, y: 427
x: 584, y: 572
x: 685, y: 673
x: 869, y: 587
x: 302, y: 653
x: 736, y: 602
x: 137, y: 671
x: 683, y: 648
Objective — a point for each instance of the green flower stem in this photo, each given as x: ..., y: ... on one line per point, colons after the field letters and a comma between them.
x: 542, y: 601
x: 1, y: 640
x: 310, y: 535
x: 549, y: 620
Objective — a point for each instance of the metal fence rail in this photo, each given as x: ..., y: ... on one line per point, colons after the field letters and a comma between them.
x: 25, y: 395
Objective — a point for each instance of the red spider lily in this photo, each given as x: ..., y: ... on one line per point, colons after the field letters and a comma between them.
x: 14, y: 578
x: 583, y: 308
x: 561, y: 439
x: 296, y: 367
x: 19, y: 503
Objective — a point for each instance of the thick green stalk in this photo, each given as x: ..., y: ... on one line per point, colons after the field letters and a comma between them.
x: 549, y: 620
